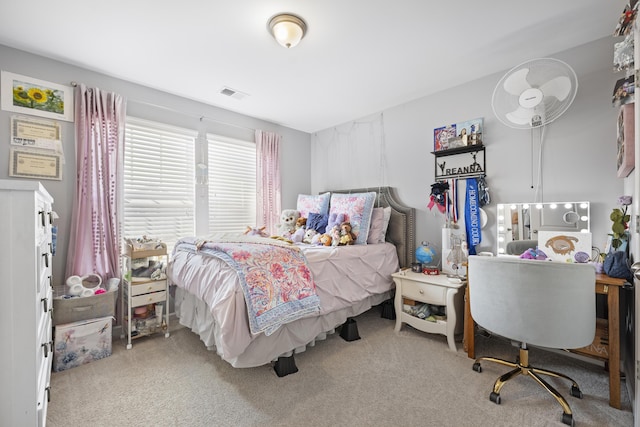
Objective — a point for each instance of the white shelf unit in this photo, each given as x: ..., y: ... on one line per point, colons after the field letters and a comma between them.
x: 144, y: 291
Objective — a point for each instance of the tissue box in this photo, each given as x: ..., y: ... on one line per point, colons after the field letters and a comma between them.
x: 81, y: 342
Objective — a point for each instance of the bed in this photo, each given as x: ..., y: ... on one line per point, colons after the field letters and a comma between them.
x: 349, y: 280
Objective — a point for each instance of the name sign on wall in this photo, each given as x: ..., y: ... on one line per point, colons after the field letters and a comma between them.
x: 467, y: 163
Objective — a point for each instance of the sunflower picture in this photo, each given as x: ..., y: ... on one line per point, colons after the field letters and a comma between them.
x: 31, y: 96
x: 36, y: 97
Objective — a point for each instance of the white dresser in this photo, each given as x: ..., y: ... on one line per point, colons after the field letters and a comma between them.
x: 25, y: 302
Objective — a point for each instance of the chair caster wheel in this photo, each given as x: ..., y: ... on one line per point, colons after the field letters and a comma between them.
x: 476, y: 367
x: 576, y: 392
x: 568, y: 419
x: 494, y: 397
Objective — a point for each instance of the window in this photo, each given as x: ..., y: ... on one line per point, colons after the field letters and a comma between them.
x: 158, y: 181
x: 232, y: 184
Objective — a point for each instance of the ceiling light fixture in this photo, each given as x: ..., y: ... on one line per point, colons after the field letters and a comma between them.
x: 287, y: 29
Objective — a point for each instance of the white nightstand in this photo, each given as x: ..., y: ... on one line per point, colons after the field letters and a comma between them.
x: 431, y: 289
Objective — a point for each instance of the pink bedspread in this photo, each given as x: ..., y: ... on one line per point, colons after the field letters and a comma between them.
x: 275, y: 279
x: 344, y: 276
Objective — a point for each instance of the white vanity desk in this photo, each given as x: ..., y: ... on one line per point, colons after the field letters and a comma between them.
x: 431, y: 289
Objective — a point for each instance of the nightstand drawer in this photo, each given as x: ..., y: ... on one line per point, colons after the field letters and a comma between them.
x: 148, y: 298
x: 424, y: 292
x: 145, y: 288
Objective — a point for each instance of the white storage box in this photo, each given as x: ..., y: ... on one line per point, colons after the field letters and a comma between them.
x: 81, y: 342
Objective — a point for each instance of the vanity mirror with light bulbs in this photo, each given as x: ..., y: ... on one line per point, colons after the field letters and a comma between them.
x: 521, y: 222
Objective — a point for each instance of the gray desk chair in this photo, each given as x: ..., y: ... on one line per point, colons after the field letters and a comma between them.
x: 541, y: 303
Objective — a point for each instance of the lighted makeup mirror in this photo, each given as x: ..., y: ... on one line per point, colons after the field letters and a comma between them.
x: 521, y: 222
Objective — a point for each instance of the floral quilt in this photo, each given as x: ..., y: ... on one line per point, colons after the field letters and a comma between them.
x: 277, y: 284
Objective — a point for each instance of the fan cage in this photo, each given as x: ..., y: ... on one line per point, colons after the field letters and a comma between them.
x: 541, y: 70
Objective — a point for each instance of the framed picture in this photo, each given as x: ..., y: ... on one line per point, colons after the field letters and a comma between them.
x: 564, y: 246
x: 27, y: 95
x: 626, y: 140
x: 624, y: 91
x: 25, y: 163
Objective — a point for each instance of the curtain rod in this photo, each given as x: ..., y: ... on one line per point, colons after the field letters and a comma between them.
x: 173, y: 110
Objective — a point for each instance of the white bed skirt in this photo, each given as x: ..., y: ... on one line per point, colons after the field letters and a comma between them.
x: 287, y: 340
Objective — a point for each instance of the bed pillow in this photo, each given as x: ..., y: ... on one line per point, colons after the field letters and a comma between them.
x: 379, y: 223
x: 357, y: 209
x: 317, y: 204
x: 317, y: 221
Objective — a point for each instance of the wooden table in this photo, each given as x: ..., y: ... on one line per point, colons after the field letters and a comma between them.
x: 605, y: 347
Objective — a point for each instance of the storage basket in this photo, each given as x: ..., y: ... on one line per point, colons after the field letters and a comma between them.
x: 84, y: 308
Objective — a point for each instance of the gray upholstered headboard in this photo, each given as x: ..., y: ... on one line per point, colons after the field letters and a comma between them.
x: 402, y: 224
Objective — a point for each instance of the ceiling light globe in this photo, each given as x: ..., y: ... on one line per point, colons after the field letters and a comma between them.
x: 288, y: 30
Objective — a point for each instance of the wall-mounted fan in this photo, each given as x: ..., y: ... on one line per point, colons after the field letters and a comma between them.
x: 534, y: 93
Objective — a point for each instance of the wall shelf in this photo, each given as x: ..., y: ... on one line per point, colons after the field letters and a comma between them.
x: 461, y: 162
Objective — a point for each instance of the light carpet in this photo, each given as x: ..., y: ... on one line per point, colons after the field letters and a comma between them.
x: 386, y: 378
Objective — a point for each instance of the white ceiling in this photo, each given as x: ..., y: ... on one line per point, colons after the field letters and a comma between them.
x: 359, y: 57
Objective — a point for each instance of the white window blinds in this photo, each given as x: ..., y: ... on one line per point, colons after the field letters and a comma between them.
x: 158, y: 181
x: 232, y: 184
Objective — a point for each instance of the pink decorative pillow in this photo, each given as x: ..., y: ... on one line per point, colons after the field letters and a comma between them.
x: 317, y: 204
x: 379, y: 223
x: 357, y: 208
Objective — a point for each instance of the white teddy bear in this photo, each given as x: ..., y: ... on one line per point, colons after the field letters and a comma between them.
x: 288, y: 219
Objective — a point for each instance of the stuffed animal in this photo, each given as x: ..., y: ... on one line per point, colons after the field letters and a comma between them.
x: 287, y: 226
x: 315, y: 240
x: 335, y: 235
x: 335, y: 219
x: 346, y: 236
x: 301, y: 223
x: 309, y: 234
x: 298, y: 235
x: 325, y: 239
x: 251, y: 231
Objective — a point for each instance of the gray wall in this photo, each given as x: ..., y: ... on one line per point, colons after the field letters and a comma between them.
x: 149, y: 104
x: 579, y: 152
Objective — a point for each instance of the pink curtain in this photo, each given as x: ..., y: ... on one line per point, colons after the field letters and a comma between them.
x: 268, y: 170
x: 94, y: 243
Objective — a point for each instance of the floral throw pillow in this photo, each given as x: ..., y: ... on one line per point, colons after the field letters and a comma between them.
x: 357, y: 209
x: 317, y: 204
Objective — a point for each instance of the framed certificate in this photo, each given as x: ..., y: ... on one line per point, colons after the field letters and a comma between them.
x: 32, y: 164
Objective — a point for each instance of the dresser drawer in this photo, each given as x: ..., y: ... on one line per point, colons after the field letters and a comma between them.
x: 424, y: 292
x: 44, y: 351
x: 145, y: 288
x: 148, y: 298
x: 44, y: 305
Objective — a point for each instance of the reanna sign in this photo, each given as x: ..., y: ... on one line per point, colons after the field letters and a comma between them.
x: 460, y: 165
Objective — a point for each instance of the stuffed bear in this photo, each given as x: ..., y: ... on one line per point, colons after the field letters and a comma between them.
x: 346, y: 236
x: 325, y: 239
x: 301, y: 223
x: 335, y: 219
x: 287, y: 225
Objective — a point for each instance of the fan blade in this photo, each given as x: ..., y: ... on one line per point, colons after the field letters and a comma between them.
x: 521, y: 116
x: 516, y: 83
x: 560, y: 87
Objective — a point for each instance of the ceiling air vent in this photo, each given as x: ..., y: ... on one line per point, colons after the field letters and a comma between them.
x: 235, y: 94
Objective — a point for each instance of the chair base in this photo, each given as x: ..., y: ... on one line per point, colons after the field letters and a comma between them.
x: 522, y: 367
